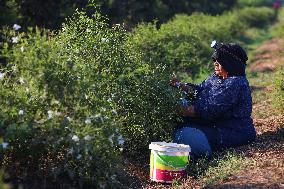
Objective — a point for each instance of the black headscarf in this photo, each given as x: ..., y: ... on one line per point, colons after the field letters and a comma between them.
x: 232, y: 57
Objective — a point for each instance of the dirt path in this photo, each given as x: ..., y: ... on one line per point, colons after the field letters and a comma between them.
x: 268, y: 56
x: 266, y: 154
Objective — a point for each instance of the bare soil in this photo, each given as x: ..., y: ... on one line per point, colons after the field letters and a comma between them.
x: 268, y: 56
x: 267, y: 155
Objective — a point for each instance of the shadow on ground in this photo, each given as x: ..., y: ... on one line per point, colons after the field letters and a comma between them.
x: 248, y: 186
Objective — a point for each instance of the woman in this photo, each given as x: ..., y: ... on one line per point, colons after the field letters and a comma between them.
x: 220, y: 116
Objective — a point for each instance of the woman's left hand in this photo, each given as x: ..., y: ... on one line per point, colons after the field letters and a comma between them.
x: 187, y: 111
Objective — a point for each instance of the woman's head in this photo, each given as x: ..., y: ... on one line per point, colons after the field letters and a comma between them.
x: 232, y: 58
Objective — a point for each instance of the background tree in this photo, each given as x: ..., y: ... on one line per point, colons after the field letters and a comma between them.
x: 50, y: 14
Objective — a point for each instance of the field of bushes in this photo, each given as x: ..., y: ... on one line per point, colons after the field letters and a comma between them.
x: 76, y: 101
x: 278, y: 32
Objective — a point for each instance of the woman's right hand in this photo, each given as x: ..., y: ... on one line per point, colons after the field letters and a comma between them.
x: 175, y: 82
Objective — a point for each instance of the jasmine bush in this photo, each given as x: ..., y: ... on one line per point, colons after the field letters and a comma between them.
x: 256, y: 17
x: 55, y: 120
x: 75, y: 99
x: 183, y: 43
x: 174, y: 44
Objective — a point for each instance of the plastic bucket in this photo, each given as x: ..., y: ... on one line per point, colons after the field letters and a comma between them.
x: 168, y: 161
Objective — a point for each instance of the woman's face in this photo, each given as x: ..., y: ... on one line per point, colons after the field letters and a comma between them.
x: 219, y: 70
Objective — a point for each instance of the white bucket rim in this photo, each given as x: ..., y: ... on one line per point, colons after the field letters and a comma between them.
x: 169, y: 147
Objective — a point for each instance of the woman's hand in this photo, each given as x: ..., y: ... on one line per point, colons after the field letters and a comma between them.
x: 187, y: 111
x: 175, y: 82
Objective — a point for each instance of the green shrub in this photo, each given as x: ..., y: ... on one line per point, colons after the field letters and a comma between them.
x: 70, y: 96
x: 176, y: 47
x: 184, y: 42
x: 57, y: 115
x: 277, y: 29
x: 256, y: 17
x: 279, y: 90
x: 9, y: 12
x: 254, y: 3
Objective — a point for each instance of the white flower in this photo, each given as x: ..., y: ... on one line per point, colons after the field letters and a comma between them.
x: 21, y: 80
x: 16, y: 27
x: 109, y: 100
x: 2, y: 75
x: 49, y: 114
x: 104, y: 40
x: 22, y: 48
x: 110, y: 138
x: 113, y: 177
x: 88, y: 30
x: 94, y: 47
x: 15, y: 39
x: 68, y: 118
x: 120, y: 140
x: 102, y: 119
x: 97, y: 115
x: 79, y: 156
x: 87, y: 137
x: 14, y: 68
x: 56, y: 102
x: 114, y: 111
x: 88, y: 121
x: 4, y: 145
x: 58, y: 113
x: 75, y: 138
x: 21, y: 112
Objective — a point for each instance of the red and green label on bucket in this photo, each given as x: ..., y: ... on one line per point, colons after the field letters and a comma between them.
x: 168, y: 161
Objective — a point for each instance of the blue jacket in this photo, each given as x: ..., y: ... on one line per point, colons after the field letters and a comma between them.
x: 223, y: 108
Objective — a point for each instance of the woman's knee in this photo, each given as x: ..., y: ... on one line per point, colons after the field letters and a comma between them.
x: 195, y: 138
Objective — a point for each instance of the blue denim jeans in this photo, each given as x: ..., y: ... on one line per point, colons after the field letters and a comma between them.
x: 195, y: 138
